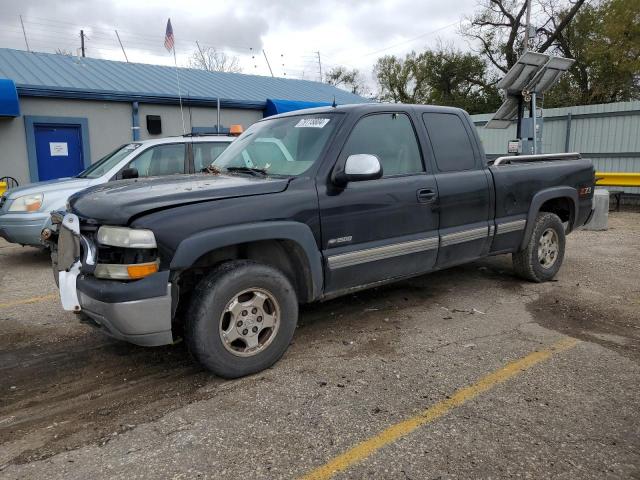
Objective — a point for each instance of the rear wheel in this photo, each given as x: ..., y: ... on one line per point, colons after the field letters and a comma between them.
x: 241, y: 318
x: 543, y: 255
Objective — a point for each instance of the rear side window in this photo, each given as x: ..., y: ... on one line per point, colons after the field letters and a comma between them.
x: 391, y: 138
x: 205, y: 153
x: 160, y: 160
x: 450, y: 141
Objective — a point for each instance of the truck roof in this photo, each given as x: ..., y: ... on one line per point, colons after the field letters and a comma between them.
x: 371, y: 107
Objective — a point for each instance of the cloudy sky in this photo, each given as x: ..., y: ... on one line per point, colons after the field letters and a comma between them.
x: 350, y: 33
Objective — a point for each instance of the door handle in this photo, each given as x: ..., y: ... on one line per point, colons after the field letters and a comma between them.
x: 426, y: 195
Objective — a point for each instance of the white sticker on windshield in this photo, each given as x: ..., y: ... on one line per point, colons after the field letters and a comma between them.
x: 312, y: 122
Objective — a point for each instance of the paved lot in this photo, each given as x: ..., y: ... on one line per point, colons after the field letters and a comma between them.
x: 412, y: 381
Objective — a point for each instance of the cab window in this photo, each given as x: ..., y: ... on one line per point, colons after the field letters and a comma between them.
x: 450, y: 142
x: 390, y: 137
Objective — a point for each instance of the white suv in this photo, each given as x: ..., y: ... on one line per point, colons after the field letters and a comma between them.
x: 24, y: 211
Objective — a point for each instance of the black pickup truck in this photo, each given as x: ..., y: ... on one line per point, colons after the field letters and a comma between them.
x: 303, y: 207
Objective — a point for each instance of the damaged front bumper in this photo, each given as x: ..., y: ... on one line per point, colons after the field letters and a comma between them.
x: 138, y: 312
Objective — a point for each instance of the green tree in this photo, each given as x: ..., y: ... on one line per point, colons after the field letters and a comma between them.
x: 444, y: 76
x: 604, y: 39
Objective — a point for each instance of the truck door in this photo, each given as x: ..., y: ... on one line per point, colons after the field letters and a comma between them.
x: 463, y: 189
x: 374, y: 230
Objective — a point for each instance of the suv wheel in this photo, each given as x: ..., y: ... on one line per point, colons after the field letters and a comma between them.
x: 543, y: 255
x: 241, y: 318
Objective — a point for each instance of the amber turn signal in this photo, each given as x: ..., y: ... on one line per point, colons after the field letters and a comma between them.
x: 142, y: 270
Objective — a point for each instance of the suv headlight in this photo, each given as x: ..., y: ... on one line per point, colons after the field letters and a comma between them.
x: 27, y: 203
x: 126, y: 237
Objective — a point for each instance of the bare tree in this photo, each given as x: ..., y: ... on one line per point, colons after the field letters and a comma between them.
x: 63, y: 51
x: 498, y: 27
x: 213, y: 60
x: 351, y: 80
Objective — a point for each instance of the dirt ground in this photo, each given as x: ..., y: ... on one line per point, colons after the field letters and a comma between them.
x: 77, y: 404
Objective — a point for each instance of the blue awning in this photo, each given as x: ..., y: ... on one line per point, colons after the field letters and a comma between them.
x: 9, y: 106
x: 275, y: 106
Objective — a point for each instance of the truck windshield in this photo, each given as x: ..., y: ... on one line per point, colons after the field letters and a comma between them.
x: 286, y: 146
x: 106, y: 163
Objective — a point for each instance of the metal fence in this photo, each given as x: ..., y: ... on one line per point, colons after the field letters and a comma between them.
x: 607, y: 134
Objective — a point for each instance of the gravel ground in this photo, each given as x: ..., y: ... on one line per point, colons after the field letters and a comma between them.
x: 76, y: 404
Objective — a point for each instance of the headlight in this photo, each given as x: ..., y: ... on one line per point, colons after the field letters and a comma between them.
x: 125, y: 272
x: 126, y: 237
x: 27, y: 203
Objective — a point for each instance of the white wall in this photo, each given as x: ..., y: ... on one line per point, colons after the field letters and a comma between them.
x: 109, y: 126
x: 193, y: 116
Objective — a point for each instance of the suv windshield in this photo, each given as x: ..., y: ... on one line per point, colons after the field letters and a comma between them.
x: 105, y: 164
x: 280, y: 146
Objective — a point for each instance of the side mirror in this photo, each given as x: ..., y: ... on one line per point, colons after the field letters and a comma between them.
x: 358, y: 167
x: 129, y: 173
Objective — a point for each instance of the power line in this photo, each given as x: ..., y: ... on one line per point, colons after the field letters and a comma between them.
x: 48, y: 35
x: 55, y: 25
x: 410, y: 40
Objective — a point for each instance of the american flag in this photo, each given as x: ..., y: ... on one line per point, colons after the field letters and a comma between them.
x: 168, y: 36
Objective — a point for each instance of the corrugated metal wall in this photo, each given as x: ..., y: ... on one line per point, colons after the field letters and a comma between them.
x: 608, y: 134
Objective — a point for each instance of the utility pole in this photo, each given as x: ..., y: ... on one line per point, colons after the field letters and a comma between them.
x: 268, y: 64
x: 82, y: 42
x: 532, y: 103
x: 527, y: 27
x: 319, y: 64
x: 25, y: 34
x: 120, y: 42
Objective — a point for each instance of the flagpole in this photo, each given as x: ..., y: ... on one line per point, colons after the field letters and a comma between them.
x: 175, y: 61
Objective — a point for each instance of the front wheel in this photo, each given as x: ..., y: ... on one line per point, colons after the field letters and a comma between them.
x: 542, y: 257
x: 241, y: 318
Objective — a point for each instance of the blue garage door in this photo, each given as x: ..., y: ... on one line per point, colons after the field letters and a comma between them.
x: 58, y: 150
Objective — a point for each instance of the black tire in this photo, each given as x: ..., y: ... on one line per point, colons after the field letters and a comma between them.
x: 527, y: 263
x: 209, y: 302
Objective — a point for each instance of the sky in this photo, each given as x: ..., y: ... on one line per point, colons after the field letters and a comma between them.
x: 291, y: 32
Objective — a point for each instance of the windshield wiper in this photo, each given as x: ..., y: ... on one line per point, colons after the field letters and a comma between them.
x: 261, y: 172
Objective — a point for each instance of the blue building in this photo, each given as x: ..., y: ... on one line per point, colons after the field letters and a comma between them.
x: 59, y: 108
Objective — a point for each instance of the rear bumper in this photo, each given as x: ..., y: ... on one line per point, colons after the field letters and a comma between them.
x: 23, y: 228
x: 142, y: 321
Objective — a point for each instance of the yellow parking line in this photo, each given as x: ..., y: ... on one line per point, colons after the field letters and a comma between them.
x: 25, y: 301
x: 399, y: 430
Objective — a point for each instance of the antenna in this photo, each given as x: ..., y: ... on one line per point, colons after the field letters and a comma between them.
x: 25, y: 34
x: 120, y: 42
x: 334, y: 104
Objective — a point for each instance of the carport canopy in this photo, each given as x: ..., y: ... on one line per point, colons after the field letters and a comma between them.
x: 275, y: 106
x: 9, y: 106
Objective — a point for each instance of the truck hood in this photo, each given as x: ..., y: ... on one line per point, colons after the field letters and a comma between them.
x: 117, y: 202
x: 50, y: 186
